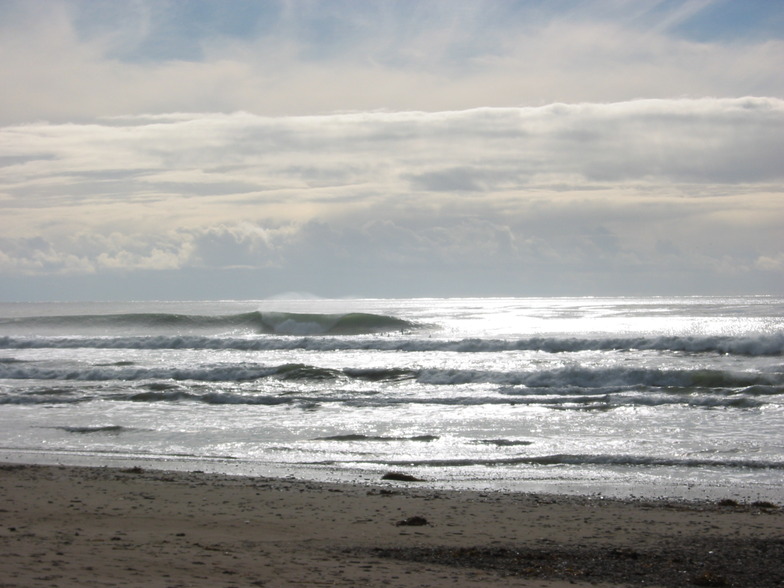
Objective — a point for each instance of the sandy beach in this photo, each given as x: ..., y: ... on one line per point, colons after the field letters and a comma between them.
x: 71, y: 526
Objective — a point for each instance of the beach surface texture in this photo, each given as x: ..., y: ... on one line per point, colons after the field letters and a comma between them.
x: 79, y: 526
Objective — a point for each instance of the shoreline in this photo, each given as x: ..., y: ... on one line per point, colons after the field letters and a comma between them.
x: 656, y: 486
x: 107, y: 526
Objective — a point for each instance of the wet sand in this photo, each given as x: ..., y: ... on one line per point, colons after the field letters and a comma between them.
x: 72, y: 526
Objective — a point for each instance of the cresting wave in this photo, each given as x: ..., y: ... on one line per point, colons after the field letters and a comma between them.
x: 208, y: 373
x: 760, y: 345
x: 559, y: 389
x: 559, y: 378
x: 280, y: 323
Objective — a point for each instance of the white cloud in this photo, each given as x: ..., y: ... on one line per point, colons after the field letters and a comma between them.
x: 771, y: 263
x: 635, y: 167
x: 292, y: 168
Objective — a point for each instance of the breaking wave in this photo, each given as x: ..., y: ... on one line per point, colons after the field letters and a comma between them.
x: 513, y: 382
x: 559, y: 389
x: 298, y: 332
x: 208, y: 373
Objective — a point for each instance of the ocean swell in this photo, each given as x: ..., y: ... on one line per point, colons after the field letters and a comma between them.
x: 161, y: 324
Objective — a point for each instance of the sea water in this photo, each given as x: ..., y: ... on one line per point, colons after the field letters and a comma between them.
x: 680, y: 397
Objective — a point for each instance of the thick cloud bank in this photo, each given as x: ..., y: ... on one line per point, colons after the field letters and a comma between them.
x: 652, y: 196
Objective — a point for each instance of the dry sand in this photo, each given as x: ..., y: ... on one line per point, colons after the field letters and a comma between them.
x: 70, y: 526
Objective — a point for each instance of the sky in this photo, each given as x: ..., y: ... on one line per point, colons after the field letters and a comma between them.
x: 195, y: 149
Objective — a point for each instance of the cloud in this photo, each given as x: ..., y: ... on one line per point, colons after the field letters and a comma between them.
x: 495, y: 147
x: 771, y: 263
x: 78, y: 60
x: 294, y: 168
x: 188, y: 186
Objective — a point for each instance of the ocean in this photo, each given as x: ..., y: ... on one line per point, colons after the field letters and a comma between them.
x: 632, y: 397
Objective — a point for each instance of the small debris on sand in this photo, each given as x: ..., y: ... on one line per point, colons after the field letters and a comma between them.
x: 415, y: 521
